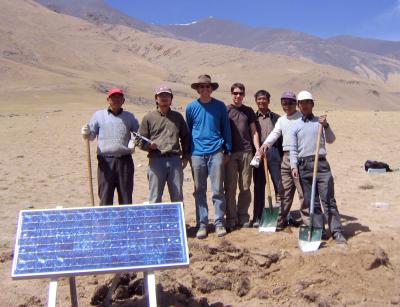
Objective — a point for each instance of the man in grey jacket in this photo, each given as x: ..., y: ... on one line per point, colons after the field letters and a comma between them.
x: 113, y: 127
x: 302, y: 155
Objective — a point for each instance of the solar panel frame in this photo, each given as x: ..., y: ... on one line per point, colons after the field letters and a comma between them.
x: 183, y: 248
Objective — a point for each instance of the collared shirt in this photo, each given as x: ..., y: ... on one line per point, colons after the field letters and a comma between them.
x: 265, y: 124
x: 304, y: 139
x: 113, y: 131
x: 169, y: 131
x: 282, y: 128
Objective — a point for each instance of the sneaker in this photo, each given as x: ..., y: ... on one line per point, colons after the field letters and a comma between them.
x: 220, y: 231
x: 201, y: 233
x: 339, y: 238
x: 256, y: 224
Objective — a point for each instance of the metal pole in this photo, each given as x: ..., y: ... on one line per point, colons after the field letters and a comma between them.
x: 72, y: 291
x: 151, y: 288
x: 52, y: 293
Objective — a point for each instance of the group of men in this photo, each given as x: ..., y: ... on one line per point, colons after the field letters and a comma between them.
x: 219, y: 142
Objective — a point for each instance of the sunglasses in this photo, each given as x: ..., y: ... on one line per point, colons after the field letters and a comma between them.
x: 237, y: 93
x: 205, y: 86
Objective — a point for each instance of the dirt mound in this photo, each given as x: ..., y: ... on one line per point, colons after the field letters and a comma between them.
x: 223, y: 274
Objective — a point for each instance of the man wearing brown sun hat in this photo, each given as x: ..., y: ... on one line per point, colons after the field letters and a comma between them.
x: 211, y: 145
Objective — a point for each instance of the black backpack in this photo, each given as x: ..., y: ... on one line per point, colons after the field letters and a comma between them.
x: 376, y: 164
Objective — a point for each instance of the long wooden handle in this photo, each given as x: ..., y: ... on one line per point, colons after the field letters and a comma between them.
x: 267, y: 182
x: 89, y: 164
x: 317, y: 151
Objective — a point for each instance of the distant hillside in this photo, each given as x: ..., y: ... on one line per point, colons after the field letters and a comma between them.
x: 377, y: 59
x: 99, y: 12
x: 381, y: 47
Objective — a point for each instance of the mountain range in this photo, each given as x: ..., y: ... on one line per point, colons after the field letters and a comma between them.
x: 61, y: 49
x: 370, y: 57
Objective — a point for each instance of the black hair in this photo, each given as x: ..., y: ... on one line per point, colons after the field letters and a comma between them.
x: 262, y: 93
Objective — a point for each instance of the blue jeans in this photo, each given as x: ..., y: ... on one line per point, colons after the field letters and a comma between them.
x: 165, y: 170
x: 203, y: 166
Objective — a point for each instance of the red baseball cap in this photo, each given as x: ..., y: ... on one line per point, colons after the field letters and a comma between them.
x: 115, y: 90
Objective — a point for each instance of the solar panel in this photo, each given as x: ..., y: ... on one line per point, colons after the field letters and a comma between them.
x: 78, y: 241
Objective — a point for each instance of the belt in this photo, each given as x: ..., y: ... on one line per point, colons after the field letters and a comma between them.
x: 114, y: 157
x: 311, y: 159
x: 166, y: 155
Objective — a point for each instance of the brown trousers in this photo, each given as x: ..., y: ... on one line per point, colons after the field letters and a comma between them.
x: 287, y: 190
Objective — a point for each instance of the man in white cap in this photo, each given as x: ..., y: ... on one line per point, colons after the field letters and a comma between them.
x: 302, y: 156
x: 113, y: 127
x: 169, y: 149
x: 208, y: 123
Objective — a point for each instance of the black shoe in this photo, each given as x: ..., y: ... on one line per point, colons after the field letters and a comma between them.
x: 230, y: 228
x: 293, y: 222
x: 325, y: 236
x: 339, y: 238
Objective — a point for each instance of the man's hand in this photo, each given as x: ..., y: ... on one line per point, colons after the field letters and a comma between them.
x: 295, y: 172
x: 323, y: 122
x: 85, y: 131
x: 184, y: 162
x: 226, y: 158
x: 153, y: 146
x: 263, y: 150
x: 131, y: 145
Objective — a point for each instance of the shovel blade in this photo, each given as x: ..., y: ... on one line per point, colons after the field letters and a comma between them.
x: 307, y: 245
x: 269, y: 220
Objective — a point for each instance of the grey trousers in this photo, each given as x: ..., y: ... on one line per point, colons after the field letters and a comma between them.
x: 238, y: 172
x: 165, y: 170
x: 325, y: 191
x: 115, y: 173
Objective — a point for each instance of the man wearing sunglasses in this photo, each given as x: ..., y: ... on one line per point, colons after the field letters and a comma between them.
x: 208, y: 122
x: 289, y: 183
x: 266, y: 120
x: 238, y: 171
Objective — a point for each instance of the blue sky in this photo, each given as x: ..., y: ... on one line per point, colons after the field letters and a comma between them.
x: 324, y: 18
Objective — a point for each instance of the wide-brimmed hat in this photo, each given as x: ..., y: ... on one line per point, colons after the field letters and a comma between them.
x: 205, y: 79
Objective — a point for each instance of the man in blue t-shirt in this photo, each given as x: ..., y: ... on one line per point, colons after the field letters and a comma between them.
x: 208, y: 123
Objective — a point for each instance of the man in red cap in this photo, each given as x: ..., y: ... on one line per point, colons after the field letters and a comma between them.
x: 169, y: 149
x: 113, y: 127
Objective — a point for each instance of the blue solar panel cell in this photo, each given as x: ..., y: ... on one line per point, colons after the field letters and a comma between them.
x: 100, y: 239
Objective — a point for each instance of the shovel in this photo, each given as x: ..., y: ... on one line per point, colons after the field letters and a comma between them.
x: 310, y: 236
x: 269, y: 218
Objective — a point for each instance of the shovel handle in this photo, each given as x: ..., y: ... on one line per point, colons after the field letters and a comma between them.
x: 268, y: 185
x: 314, y: 180
x: 89, y: 165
